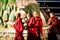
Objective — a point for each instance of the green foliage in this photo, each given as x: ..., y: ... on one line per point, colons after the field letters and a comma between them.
x: 11, y: 1
x: 1, y: 4
x: 4, y: 2
x: 1, y: 13
x: 32, y: 7
x: 1, y: 25
x: 0, y: 1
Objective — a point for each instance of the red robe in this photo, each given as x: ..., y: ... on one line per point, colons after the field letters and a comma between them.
x: 19, y: 29
x: 53, y: 23
x: 34, y: 26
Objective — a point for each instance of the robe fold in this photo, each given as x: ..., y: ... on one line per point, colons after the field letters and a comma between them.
x: 34, y: 28
x: 52, y: 22
x: 19, y: 29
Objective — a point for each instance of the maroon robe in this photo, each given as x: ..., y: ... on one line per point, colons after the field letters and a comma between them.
x: 52, y: 22
x: 34, y: 28
x: 19, y: 29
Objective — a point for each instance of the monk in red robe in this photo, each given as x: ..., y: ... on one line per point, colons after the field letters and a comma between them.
x: 34, y: 25
x: 18, y: 27
x: 52, y: 24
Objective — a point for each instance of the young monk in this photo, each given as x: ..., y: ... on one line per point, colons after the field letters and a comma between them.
x: 18, y: 28
x: 34, y: 25
x: 52, y: 24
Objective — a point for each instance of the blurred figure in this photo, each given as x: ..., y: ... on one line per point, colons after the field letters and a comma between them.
x: 18, y: 27
x: 24, y: 19
x: 34, y: 25
x: 29, y: 15
x: 52, y: 24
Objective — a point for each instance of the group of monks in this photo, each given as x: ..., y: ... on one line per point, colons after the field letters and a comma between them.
x: 34, y: 27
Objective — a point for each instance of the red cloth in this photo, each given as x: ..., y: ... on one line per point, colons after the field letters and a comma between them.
x: 34, y: 24
x: 19, y: 29
x: 19, y: 37
x: 53, y: 21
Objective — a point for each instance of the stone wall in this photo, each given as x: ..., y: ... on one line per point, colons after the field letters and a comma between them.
x: 9, y: 34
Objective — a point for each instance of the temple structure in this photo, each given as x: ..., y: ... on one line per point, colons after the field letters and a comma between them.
x: 22, y: 3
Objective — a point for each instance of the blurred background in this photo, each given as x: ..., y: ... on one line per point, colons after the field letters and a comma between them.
x: 8, y: 8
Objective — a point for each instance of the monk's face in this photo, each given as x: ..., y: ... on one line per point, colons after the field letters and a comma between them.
x: 52, y: 15
x: 35, y: 14
x: 16, y: 15
x: 28, y: 16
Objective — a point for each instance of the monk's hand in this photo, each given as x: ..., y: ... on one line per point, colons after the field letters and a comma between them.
x: 41, y: 34
x: 10, y: 23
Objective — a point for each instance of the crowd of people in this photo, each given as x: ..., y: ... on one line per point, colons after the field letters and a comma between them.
x: 34, y: 26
